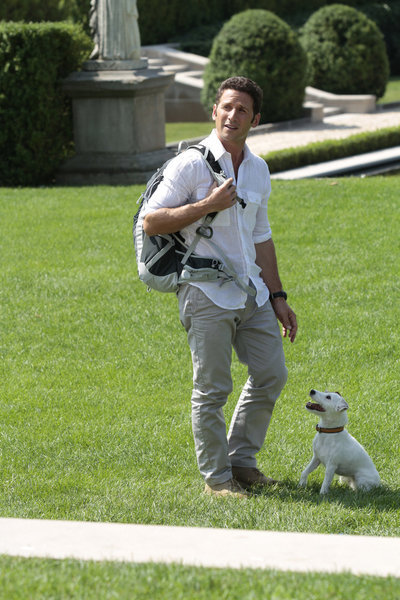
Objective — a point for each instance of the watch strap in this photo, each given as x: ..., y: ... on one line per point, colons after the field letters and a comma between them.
x: 280, y: 294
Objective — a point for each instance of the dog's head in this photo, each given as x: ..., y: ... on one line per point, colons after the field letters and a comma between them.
x: 326, y: 402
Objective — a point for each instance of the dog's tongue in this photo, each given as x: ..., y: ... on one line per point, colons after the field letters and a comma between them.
x: 315, y: 406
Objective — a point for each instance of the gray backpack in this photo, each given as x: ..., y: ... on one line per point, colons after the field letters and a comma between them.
x: 165, y: 261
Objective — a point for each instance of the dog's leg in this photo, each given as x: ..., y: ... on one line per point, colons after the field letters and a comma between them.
x: 349, y: 480
x: 313, y: 464
x: 329, y: 473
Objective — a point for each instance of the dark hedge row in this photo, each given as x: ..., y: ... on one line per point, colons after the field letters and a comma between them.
x: 162, y: 21
x: 198, y: 21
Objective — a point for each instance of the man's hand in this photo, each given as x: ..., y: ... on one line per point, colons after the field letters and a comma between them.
x: 222, y: 197
x: 169, y: 220
x: 286, y: 316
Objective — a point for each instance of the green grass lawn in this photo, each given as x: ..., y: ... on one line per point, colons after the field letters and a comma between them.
x: 34, y: 579
x: 175, y: 132
x: 392, y: 93
x: 95, y: 374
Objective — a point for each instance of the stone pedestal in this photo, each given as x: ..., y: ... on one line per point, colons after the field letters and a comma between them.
x: 119, y: 125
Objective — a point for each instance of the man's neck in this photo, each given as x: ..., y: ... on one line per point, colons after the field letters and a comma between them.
x: 237, y: 154
x: 237, y: 161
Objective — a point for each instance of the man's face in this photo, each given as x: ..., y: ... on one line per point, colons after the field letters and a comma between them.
x: 234, y: 116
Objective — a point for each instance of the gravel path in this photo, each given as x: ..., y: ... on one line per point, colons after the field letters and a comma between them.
x: 333, y: 127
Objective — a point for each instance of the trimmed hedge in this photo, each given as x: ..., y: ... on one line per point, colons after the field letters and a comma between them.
x: 346, y: 52
x: 176, y: 19
x: 160, y: 21
x: 35, y: 116
x: 259, y: 45
x: 34, y: 10
x: 311, y: 154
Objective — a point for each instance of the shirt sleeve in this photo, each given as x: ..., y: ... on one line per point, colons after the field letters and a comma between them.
x: 181, y: 178
x: 262, y: 230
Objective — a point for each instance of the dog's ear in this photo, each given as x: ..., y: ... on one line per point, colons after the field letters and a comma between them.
x: 342, y: 405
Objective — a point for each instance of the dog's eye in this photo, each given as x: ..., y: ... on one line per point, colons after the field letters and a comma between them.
x: 328, y: 397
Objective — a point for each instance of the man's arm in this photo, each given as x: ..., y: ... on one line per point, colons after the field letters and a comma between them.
x: 266, y: 260
x: 169, y: 220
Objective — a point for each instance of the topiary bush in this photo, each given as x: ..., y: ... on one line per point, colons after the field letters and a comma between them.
x: 346, y: 52
x: 259, y: 45
x: 35, y: 116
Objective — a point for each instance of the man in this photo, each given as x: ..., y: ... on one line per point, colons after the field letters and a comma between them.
x: 218, y: 317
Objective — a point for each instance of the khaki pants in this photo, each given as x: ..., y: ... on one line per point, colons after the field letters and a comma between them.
x: 255, y: 335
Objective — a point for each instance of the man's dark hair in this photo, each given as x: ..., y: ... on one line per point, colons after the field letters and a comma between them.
x: 242, y: 84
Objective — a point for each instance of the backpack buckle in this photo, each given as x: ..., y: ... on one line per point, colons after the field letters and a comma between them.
x: 205, y: 231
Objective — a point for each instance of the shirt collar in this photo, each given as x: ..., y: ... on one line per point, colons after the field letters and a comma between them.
x: 215, y: 145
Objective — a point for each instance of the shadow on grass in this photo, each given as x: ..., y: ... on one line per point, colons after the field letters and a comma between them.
x: 383, y: 498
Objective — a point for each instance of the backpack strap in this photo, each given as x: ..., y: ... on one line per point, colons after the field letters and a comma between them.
x: 213, y: 166
x: 210, y: 158
x: 205, y: 229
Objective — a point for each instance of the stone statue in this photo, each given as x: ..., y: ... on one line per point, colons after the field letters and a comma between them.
x: 115, y: 30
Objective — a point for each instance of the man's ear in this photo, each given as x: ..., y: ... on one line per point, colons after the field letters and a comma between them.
x: 256, y: 120
x: 214, y: 112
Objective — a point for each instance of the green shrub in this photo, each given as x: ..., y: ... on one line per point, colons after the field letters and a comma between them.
x: 35, y: 116
x: 34, y: 10
x: 346, y: 52
x: 295, y: 158
x: 259, y: 45
x: 178, y: 21
x: 198, y: 40
x: 387, y: 17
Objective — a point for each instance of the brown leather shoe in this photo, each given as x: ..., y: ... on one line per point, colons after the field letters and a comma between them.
x: 228, y: 488
x: 250, y: 477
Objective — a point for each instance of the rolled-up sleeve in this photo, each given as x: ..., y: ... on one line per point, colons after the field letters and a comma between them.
x: 262, y: 230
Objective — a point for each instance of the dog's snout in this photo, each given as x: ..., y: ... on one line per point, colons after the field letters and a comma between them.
x: 312, y: 392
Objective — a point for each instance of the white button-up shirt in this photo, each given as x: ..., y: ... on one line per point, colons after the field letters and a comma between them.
x: 236, y: 229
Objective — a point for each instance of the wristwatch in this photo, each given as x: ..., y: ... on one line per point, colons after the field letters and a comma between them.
x: 280, y: 294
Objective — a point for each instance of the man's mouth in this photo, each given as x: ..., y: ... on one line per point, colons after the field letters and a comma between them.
x: 315, y: 406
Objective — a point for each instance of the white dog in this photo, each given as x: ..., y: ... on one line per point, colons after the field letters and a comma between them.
x: 335, y: 448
